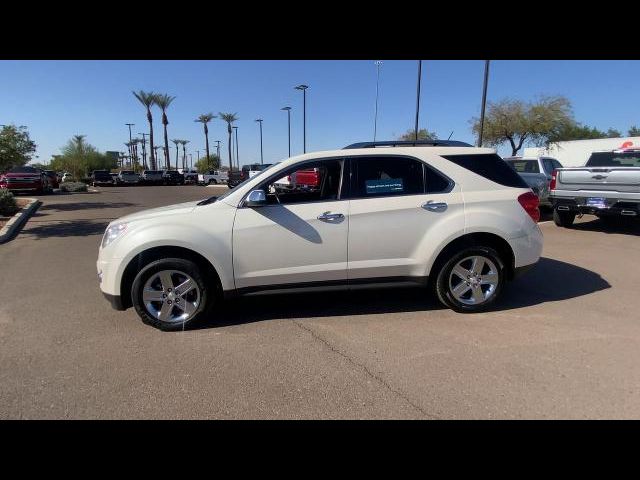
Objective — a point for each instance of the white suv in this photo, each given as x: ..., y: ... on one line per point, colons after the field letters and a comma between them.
x: 442, y: 214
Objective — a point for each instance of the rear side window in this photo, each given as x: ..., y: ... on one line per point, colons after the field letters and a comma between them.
x: 491, y: 167
x: 614, y: 159
x: 387, y: 176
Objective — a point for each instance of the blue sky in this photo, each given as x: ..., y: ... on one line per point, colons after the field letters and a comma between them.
x: 57, y: 99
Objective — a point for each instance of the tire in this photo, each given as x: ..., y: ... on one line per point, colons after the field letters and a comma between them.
x: 207, y: 294
x: 563, y: 219
x: 447, y: 281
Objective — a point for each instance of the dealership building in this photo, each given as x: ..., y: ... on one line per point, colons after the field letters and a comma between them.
x: 575, y: 153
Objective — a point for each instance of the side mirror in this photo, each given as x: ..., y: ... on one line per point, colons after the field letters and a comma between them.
x: 256, y: 198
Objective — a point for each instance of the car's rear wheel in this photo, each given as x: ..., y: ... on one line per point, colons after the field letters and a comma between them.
x: 172, y: 294
x: 563, y: 219
x: 471, y: 280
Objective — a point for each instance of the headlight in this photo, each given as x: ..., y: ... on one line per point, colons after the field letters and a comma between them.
x: 113, y: 232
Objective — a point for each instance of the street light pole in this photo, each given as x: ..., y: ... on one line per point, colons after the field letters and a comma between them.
x: 418, y: 98
x: 144, y: 149
x: 304, y: 115
x: 378, y: 64
x: 237, y: 149
x: 259, y: 120
x: 218, y: 142
x: 288, y: 109
x: 130, y: 138
x: 484, y: 101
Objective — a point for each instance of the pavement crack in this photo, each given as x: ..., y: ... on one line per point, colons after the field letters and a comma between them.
x: 362, y: 367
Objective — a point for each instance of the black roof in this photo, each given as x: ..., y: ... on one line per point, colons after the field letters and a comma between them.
x: 409, y: 143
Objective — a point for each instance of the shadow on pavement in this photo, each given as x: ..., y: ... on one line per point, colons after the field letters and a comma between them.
x: 627, y: 226
x: 549, y: 281
x: 66, y: 228
x: 68, y: 207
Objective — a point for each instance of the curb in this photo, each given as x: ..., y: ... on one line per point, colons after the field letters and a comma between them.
x: 13, y: 225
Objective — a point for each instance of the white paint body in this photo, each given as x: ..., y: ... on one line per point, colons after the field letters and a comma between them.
x: 286, y: 244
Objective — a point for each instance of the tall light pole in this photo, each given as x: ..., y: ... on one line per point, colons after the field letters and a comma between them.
x: 378, y: 64
x: 130, y: 138
x: 304, y: 115
x: 288, y: 110
x: 259, y: 120
x: 484, y: 100
x: 144, y: 149
x: 191, y: 161
x: 218, y: 142
x: 237, y: 150
x: 418, y: 98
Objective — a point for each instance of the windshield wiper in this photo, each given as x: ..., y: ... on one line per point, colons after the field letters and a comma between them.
x: 207, y: 201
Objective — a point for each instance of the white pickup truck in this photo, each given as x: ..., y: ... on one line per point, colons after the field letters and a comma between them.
x: 607, y: 186
x: 213, y: 177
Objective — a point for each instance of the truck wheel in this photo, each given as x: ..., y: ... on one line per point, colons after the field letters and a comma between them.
x: 173, y: 294
x: 471, y: 280
x: 563, y: 219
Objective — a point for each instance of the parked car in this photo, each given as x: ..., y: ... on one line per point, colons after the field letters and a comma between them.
x: 53, y: 176
x: 536, y: 171
x: 114, y: 176
x: 302, y: 180
x: 101, y: 177
x: 152, y: 177
x: 190, y: 175
x: 172, y: 177
x: 236, y: 177
x: 128, y: 177
x: 608, y: 186
x: 452, y: 217
x: 26, y: 179
x: 213, y: 177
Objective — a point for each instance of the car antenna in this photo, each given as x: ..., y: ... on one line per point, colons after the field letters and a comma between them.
x: 450, y: 135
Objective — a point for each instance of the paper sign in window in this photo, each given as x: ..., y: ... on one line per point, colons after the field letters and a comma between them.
x: 387, y: 185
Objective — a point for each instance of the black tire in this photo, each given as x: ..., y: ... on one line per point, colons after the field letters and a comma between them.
x: 442, y: 285
x: 563, y: 219
x: 208, y: 298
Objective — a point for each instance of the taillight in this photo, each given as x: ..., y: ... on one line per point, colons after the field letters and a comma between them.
x: 552, y: 184
x: 530, y: 203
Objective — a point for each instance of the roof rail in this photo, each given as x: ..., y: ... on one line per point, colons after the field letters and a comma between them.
x: 409, y: 143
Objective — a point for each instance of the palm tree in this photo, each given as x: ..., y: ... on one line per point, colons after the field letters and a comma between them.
x: 158, y: 158
x: 177, y: 142
x: 204, y: 119
x: 184, y: 154
x: 163, y: 101
x: 148, y: 99
x: 229, y: 118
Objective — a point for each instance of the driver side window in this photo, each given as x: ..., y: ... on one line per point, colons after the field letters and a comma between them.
x: 310, y: 182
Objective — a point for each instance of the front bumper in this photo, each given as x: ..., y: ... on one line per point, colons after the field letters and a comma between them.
x: 115, y: 301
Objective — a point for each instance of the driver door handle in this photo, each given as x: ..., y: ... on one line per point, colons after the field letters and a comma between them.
x: 435, y: 206
x: 330, y: 216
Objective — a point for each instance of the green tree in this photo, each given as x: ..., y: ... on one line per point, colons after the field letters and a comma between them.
x: 148, y: 99
x: 229, y: 118
x: 577, y: 131
x: 520, y: 122
x: 208, y: 163
x: 163, y: 101
x: 634, y: 132
x: 16, y: 147
x: 204, y: 119
x: 80, y: 158
x: 184, y: 154
x: 423, y: 134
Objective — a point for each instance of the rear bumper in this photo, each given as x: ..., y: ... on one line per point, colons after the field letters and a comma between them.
x: 613, y: 207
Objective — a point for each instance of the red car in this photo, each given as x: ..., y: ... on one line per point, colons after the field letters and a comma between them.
x: 26, y: 179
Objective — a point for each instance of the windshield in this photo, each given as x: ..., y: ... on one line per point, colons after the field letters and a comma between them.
x: 257, y: 175
x: 613, y: 159
x: 525, y: 166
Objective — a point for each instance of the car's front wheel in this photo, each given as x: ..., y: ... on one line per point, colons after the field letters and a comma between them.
x: 172, y: 294
x: 471, y: 280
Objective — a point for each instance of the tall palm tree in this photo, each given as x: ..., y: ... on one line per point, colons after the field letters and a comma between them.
x: 177, y: 142
x: 148, y: 99
x: 204, y: 119
x: 156, y: 152
x: 163, y: 101
x: 184, y: 154
x: 229, y: 118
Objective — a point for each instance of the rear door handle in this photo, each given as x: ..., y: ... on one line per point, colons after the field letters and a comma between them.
x: 330, y: 216
x: 435, y: 206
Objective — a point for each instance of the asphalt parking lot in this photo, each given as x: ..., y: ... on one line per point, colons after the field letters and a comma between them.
x: 564, y: 342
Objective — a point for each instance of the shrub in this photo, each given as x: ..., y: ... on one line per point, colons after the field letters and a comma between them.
x: 8, y: 204
x: 73, y: 187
